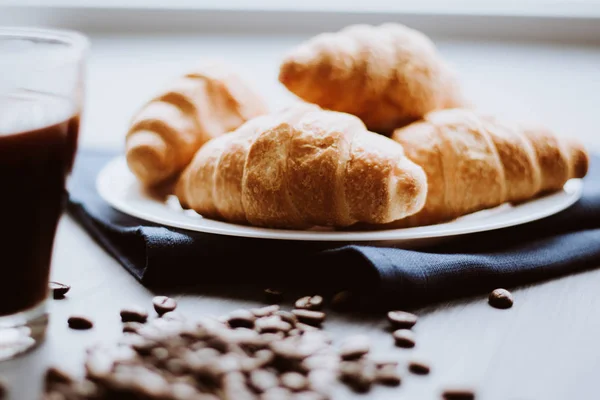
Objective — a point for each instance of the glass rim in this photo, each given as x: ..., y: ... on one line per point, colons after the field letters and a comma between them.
x: 77, y: 43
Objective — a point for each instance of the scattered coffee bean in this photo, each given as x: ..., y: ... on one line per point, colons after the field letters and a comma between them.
x: 404, y: 338
x: 273, y: 296
x: 265, y: 311
x: 272, y: 324
x: 418, y: 367
x: 358, y: 375
x: 500, y: 298
x: 313, y: 318
x: 388, y: 375
x: 308, y: 395
x: 343, y: 301
x: 276, y: 393
x: 134, y: 314
x: 294, y: 381
x: 54, y: 375
x: 402, y: 319
x: 355, y: 347
x: 262, y: 380
x: 314, y: 303
x: 241, y: 319
x: 163, y: 304
x: 288, y: 317
x: 458, y: 394
x: 59, y: 290
x: 132, y: 327
x: 79, y: 322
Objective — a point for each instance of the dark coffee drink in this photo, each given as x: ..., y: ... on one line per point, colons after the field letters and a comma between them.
x: 38, y: 141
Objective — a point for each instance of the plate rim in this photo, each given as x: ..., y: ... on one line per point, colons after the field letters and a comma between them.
x: 573, y: 189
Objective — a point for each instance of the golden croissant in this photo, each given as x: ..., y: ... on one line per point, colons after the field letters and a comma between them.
x: 302, y: 167
x: 387, y: 75
x: 168, y: 130
x: 475, y: 161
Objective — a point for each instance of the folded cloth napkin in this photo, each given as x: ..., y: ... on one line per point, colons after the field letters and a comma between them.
x: 159, y: 256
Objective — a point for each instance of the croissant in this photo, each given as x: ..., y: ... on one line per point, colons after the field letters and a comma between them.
x: 302, y: 167
x: 168, y: 130
x: 387, y: 75
x: 475, y: 161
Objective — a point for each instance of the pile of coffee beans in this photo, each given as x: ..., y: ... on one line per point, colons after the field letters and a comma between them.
x: 262, y: 353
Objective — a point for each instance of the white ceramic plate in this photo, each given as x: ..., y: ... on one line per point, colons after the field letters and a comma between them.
x: 118, y: 186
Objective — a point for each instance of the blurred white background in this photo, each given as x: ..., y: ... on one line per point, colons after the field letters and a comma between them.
x: 533, y: 60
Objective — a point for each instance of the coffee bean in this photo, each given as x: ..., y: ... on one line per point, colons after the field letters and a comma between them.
x: 55, y: 375
x: 358, y: 375
x: 160, y: 353
x: 387, y: 375
x: 234, y: 387
x: 86, y: 389
x: 418, y: 367
x: 262, y: 358
x: 320, y: 361
x: 3, y: 390
x: 98, y: 364
x: 458, y: 394
x: 175, y: 366
x: 262, y: 380
x: 404, y: 338
x: 354, y: 347
x: 163, y: 304
x: 241, y: 319
x: 59, y: 290
x: 276, y: 393
x: 181, y: 390
x: 500, y: 298
x: 265, y: 311
x: 273, y: 296
x: 294, y: 381
x: 134, y: 314
x: 402, y: 319
x: 79, y: 322
x: 132, y: 327
x: 314, y: 303
x: 288, y: 317
x: 313, y: 318
x: 308, y: 395
x: 272, y: 324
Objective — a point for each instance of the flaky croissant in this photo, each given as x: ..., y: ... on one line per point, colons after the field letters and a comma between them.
x: 168, y: 130
x: 387, y: 75
x: 475, y: 161
x: 302, y: 167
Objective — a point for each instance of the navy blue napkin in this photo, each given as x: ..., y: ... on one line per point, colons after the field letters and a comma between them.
x: 565, y: 243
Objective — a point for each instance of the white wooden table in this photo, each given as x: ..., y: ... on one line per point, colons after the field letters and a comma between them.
x: 545, y: 347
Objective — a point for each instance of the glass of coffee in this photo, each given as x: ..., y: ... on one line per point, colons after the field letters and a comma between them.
x: 41, y: 101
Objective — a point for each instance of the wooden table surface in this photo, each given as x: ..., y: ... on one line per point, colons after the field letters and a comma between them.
x: 545, y: 347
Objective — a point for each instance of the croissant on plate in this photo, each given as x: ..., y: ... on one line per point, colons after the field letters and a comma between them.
x: 168, y: 130
x: 387, y: 75
x: 302, y: 167
x: 474, y: 161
